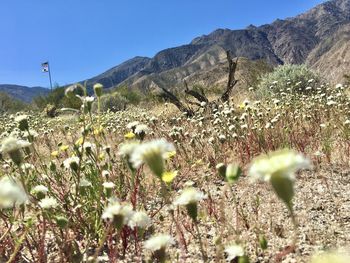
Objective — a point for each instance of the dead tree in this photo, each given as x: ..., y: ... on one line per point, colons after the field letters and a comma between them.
x: 232, y: 81
x: 195, y: 94
x: 200, y: 97
x: 168, y: 96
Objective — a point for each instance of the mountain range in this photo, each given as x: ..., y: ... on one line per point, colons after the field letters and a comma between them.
x: 23, y: 93
x: 319, y: 38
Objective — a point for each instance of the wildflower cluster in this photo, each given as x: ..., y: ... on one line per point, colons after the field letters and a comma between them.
x: 156, y: 185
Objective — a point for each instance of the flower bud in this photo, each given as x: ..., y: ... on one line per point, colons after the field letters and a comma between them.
x: 160, y: 255
x: 221, y: 168
x: 243, y: 259
x: 263, y: 242
x: 156, y: 164
x: 192, y: 210
x: 233, y: 172
x: 108, y: 187
x: 16, y: 156
x: 52, y: 167
x: 118, y: 221
x: 98, y: 89
x: 283, y: 187
x: 22, y: 122
x: 61, y: 221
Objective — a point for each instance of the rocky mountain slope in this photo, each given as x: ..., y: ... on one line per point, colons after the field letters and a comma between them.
x: 319, y: 38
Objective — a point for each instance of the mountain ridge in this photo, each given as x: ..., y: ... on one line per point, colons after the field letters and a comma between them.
x: 292, y: 40
x: 318, y: 37
x: 23, y: 93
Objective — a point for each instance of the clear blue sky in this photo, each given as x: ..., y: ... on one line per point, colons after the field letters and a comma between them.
x: 82, y: 38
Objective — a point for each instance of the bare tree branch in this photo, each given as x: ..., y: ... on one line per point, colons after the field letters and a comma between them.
x: 231, y: 82
x: 200, y: 96
x: 195, y: 94
x: 167, y: 95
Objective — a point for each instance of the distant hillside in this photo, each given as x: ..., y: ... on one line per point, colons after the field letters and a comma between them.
x: 23, y: 93
x: 319, y: 38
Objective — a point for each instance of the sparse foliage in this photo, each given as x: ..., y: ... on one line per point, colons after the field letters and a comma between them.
x: 296, y: 78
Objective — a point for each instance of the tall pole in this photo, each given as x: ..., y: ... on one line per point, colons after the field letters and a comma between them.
x: 48, y: 66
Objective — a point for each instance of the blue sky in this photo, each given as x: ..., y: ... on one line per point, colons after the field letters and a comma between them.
x: 82, y: 38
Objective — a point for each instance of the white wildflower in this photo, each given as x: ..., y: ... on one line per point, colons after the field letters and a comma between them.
x: 71, y: 162
x: 188, y: 196
x: 141, y: 128
x: 12, y: 144
x: 153, y: 154
x: 108, y: 185
x: 40, y: 189
x: 139, y: 219
x: 27, y: 167
x: 84, y: 183
x: 132, y: 125
x: 234, y: 251
x: 88, y: 147
x: 88, y: 99
x: 157, y: 242
x: 11, y: 193
x: 105, y: 173
x: 118, y: 213
x: 125, y: 149
x: 283, y: 162
x: 331, y: 257
x: 48, y: 203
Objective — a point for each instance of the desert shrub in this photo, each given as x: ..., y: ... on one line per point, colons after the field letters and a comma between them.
x: 113, y: 102
x: 292, y: 78
x: 131, y: 96
x: 58, y: 99
x: 118, y: 99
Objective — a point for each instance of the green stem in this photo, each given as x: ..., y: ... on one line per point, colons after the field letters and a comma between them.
x: 102, y: 241
x: 295, y: 223
x: 204, y: 255
x: 17, y: 247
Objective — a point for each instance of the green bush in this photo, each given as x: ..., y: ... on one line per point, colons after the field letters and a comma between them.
x: 58, y: 99
x: 9, y: 104
x: 288, y: 78
x: 132, y: 96
x: 113, y: 102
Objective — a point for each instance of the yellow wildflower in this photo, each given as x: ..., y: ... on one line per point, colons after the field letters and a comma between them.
x: 79, y: 141
x: 168, y: 177
x: 129, y: 135
x: 98, y: 131
x: 64, y: 147
x: 170, y: 155
x: 54, y: 154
